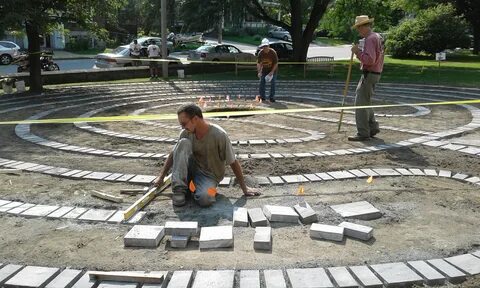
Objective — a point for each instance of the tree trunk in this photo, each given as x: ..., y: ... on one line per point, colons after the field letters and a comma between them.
x: 476, y: 40
x: 34, y: 57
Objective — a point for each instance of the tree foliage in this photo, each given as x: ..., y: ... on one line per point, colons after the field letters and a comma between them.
x: 432, y: 30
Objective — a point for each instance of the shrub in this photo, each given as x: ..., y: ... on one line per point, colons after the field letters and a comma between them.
x: 432, y: 31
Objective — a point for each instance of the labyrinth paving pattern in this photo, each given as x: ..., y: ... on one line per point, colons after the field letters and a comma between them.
x: 398, y: 210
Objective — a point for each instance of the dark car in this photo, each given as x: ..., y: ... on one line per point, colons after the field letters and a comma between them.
x: 284, y: 50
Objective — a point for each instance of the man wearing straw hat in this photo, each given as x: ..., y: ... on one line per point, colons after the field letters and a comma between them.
x: 267, y: 66
x: 370, y: 52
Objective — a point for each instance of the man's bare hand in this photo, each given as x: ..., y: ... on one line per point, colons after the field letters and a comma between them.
x: 252, y: 192
x: 158, y: 182
x: 355, y: 49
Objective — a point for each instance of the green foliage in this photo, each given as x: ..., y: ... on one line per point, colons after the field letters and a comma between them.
x: 432, y: 31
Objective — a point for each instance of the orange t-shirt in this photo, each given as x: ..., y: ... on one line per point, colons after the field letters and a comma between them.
x: 267, y: 60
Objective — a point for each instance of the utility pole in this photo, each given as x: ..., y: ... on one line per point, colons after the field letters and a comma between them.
x: 163, y: 15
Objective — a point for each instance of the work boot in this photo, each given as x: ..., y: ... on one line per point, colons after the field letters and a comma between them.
x: 358, y: 138
x: 374, y: 132
x: 178, y: 197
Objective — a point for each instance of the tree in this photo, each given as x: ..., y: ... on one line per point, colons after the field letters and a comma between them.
x: 39, y: 16
x: 471, y: 11
x: 301, y: 20
x: 432, y: 31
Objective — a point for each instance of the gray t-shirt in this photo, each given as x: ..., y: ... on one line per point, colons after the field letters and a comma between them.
x: 213, y: 152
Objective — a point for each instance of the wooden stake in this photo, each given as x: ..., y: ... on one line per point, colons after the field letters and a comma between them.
x: 345, y: 91
x: 106, y: 196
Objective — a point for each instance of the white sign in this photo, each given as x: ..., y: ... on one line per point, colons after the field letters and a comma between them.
x: 442, y: 56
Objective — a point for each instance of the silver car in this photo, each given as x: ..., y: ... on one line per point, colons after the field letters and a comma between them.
x: 220, y: 52
x: 279, y: 33
x: 9, y: 51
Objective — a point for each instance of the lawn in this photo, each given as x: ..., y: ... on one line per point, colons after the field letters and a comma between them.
x: 252, y: 40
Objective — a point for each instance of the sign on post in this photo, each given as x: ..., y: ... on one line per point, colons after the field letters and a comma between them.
x: 441, y: 56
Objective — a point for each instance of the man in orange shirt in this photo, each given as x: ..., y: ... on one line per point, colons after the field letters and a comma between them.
x: 267, y: 67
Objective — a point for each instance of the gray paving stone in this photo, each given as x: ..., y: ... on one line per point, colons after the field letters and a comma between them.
x: 216, y: 237
x: 137, y: 218
x: 276, y: 180
x: 357, y: 231
x: 97, y: 175
x: 431, y: 276
x: 115, y: 284
x: 116, y: 218
x: 453, y: 147
x: 225, y: 182
x: 142, y: 179
x: 276, y: 155
x: 240, y: 217
x: 32, y: 276
x: 260, y: 156
x: 125, y: 177
x: 257, y: 218
x: 324, y: 176
x: 366, y: 277
x: 75, y: 213
x: 18, y: 210
x: 306, y: 213
x: 404, y: 171
x: 8, y: 272
x: 430, y: 172
x: 342, y: 277
x: 303, y: 155
x: 214, y: 279
x: 97, y: 215
x: 10, y: 206
x: 466, y: 262
x: 477, y: 254
x: 56, y: 171
x: 179, y: 241
x: 369, y: 172
x: 262, y: 181
x: 113, y: 177
x: 257, y: 142
x: 327, y: 232
x: 249, y: 279
x: 65, y: 279
x: 387, y: 172
x: 358, y: 210
x: 293, y: 179
x: 309, y: 278
x: 470, y: 150
x: 80, y: 174
x: 71, y: 172
x: 3, y: 202
x: 280, y: 214
x: 40, y: 211
x: 312, y: 177
x: 358, y: 173
x: 416, y: 172
x: 453, y: 274
x: 398, y: 273
x: 274, y: 279
x: 473, y: 180
x: 181, y: 228
x: 180, y: 279
x: 263, y: 238
x: 144, y: 236
x: 341, y: 175
x: 445, y: 173
x: 460, y: 176
x: 288, y: 155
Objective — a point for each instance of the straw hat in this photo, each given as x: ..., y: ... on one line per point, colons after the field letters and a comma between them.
x: 265, y: 42
x: 362, y: 20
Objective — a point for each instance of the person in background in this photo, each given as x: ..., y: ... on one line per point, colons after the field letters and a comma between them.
x: 135, y: 49
x: 153, y: 53
x: 267, y: 67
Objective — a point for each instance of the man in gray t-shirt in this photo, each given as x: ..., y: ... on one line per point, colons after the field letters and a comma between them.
x: 199, y: 158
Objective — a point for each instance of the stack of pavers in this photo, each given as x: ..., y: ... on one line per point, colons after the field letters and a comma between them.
x: 181, y: 232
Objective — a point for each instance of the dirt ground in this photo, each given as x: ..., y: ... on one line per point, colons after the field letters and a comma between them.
x: 423, y: 217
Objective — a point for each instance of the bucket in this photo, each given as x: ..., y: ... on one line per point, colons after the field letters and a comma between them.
x: 20, y: 86
x: 7, y: 88
x: 181, y: 73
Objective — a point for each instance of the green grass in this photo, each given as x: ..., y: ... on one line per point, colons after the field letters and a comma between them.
x: 330, y: 41
x: 92, y: 51
x: 252, y: 40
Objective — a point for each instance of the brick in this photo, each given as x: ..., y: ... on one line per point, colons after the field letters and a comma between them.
x: 473, y: 180
x: 65, y: 279
x: 432, y: 277
x: 18, y: 210
x: 293, y: 179
x: 263, y: 238
x: 430, y: 172
x: 306, y: 213
x: 257, y: 218
x: 181, y: 228
x: 386, y: 172
x: 10, y: 206
x: 324, y: 176
x: 312, y: 177
x: 216, y: 237
x: 358, y: 210
x: 404, y: 171
x: 180, y: 279
x: 397, y: 274
x: 260, y: 156
x: 274, y: 279
x: 3, y: 202
x: 460, y: 176
x: 309, y: 278
x: 32, y: 276
x: 466, y: 262
x: 179, y: 241
x: 125, y: 178
x: 142, y: 179
x: 453, y: 274
x: 40, y: 211
x: 214, y: 279
x: 358, y: 173
x: 225, y: 182
x: 342, y: 277
x: 75, y: 213
x: 262, y: 181
x: 369, y: 172
x: 97, y: 175
x: 366, y: 277
x: 327, y: 232
x: 8, y: 272
x: 276, y: 180
x: 97, y: 215
x: 357, y: 231
x: 144, y: 236
x: 416, y: 172
x: 249, y: 279
x: 339, y: 175
x: 445, y: 173
x: 240, y: 217
x: 280, y: 214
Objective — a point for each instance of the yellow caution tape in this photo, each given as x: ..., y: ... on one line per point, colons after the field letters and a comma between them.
x: 173, y: 116
x: 186, y: 61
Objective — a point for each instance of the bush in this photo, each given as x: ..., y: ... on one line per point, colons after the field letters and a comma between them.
x: 433, y: 30
x: 77, y: 44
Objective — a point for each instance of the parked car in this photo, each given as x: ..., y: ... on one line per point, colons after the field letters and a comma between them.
x: 145, y: 41
x: 284, y: 50
x: 280, y: 33
x: 9, y: 51
x: 220, y: 52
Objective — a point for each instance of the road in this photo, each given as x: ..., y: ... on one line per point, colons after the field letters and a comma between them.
x: 338, y: 52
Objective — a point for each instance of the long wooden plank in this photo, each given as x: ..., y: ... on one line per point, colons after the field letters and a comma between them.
x: 106, y: 196
x: 145, y: 199
x: 136, y: 277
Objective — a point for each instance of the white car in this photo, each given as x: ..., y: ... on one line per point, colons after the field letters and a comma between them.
x: 279, y: 33
x: 9, y: 51
x: 220, y: 52
x: 119, y: 57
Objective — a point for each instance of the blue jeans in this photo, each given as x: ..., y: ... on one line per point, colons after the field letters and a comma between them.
x: 272, y: 86
x: 186, y: 177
